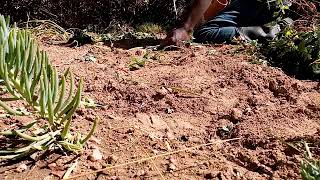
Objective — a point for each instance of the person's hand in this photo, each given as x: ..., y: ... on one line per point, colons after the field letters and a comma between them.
x: 177, y: 37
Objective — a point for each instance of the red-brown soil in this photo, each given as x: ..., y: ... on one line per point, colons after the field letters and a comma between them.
x: 182, y: 99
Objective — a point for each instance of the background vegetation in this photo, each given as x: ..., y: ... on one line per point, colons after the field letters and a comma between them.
x: 95, y: 15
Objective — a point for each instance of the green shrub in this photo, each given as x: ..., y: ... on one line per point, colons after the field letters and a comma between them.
x: 95, y: 15
x: 298, y: 53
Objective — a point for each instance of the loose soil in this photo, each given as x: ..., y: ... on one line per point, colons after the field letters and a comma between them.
x: 183, y: 99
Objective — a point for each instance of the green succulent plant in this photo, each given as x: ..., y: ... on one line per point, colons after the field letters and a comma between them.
x: 27, y: 75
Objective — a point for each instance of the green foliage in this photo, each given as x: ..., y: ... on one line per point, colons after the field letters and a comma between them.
x: 282, y: 6
x: 28, y: 76
x: 298, y: 53
x: 138, y: 62
x: 150, y: 28
x: 95, y: 15
x: 310, y: 167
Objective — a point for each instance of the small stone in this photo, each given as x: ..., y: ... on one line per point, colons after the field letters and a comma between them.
x: 273, y: 85
x: 173, y: 160
x: 58, y: 173
x: 255, y: 100
x: 90, y: 118
x: 141, y: 173
x: 168, y: 146
x: 282, y: 91
x: 138, y: 53
x: 95, y: 166
x: 248, y: 111
x: 35, y: 156
x: 206, y: 163
x: 296, y: 86
x: 52, y: 166
x: 267, y: 170
x: 48, y: 177
x: 301, y: 110
x: 283, y: 101
x: 81, y: 111
x: 114, y: 178
x: 184, y: 138
x: 172, y: 164
x: 112, y: 159
x: 169, y: 111
x: 276, y: 175
x: 89, y: 57
x: 155, y: 152
x: 209, y: 175
x: 169, y: 135
x: 236, y: 114
x: 96, y: 155
x: 195, y: 140
x: 21, y: 168
x: 130, y: 130
x: 171, y: 167
x: 170, y: 90
x: 163, y: 91
x: 95, y: 140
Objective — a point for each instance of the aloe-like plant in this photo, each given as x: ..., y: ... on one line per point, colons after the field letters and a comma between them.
x: 27, y: 75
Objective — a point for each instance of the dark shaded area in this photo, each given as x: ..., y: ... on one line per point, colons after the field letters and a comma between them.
x: 95, y: 15
x: 128, y: 44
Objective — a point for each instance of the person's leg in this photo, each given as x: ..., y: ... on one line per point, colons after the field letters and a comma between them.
x: 220, y: 29
x: 225, y: 26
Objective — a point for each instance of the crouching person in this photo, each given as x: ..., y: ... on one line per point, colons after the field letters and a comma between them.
x: 218, y: 21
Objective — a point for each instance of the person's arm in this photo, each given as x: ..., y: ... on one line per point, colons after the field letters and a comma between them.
x: 196, y: 14
x: 199, y: 7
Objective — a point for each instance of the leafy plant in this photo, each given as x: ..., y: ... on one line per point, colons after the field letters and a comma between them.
x: 28, y: 76
x: 310, y: 168
x: 138, y: 62
x: 298, y: 53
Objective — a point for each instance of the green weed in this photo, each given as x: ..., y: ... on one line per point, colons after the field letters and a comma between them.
x: 138, y: 62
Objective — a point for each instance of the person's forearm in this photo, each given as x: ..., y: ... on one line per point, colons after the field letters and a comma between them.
x: 198, y: 9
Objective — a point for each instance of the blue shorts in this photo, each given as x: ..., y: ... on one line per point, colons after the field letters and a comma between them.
x: 240, y: 13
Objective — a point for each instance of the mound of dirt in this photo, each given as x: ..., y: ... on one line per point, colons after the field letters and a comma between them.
x: 182, y: 99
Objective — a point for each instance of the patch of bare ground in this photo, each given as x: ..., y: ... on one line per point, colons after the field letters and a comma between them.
x: 182, y: 99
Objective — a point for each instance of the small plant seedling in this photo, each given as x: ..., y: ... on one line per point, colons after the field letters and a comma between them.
x: 89, y: 103
x: 138, y: 62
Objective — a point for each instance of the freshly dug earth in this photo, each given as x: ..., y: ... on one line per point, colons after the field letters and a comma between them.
x: 183, y: 99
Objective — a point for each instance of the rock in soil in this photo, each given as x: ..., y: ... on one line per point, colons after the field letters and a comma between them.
x: 96, y: 155
x: 209, y: 175
x: 21, y: 168
x: 236, y: 114
x: 112, y: 159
